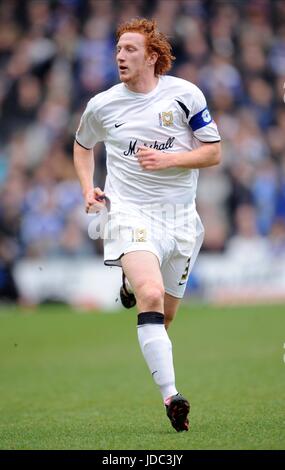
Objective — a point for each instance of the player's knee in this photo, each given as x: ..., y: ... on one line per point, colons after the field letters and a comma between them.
x: 150, y: 294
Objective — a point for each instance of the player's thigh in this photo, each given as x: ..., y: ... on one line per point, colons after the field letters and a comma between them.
x: 141, y: 268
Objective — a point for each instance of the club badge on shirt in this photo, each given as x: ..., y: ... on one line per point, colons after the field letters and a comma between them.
x: 166, y: 118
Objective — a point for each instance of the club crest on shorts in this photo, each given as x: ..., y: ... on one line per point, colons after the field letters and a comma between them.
x: 166, y: 118
x: 139, y: 234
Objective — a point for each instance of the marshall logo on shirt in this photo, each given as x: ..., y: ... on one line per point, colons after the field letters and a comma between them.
x: 133, y: 148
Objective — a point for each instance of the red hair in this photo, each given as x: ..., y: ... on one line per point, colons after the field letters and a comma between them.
x: 155, y: 41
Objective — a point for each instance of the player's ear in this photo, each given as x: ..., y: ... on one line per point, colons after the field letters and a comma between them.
x: 152, y: 58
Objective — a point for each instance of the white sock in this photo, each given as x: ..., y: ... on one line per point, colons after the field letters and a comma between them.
x: 157, y: 351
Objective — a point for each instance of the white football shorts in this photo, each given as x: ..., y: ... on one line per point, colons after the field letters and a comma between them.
x: 174, y: 234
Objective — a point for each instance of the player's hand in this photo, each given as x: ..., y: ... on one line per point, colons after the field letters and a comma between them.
x: 94, y: 200
x: 152, y: 159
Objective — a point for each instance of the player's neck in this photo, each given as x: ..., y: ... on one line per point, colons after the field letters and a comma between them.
x: 143, y: 85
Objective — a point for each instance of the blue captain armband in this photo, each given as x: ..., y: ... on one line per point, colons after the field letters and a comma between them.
x: 201, y: 119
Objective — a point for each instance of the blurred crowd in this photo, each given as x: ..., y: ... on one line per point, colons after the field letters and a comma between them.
x: 55, y: 55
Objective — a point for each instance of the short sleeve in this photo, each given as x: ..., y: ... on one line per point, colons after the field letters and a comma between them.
x: 90, y: 130
x: 198, y: 116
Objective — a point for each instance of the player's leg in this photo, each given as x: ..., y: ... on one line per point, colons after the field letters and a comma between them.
x: 143, y: 272
x: 171, y: 305
x: 177, y: 407
x: 175, y: 271
x: 127, y: 296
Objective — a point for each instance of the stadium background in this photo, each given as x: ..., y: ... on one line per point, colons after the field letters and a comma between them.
x: 55, y: 55
x: 73, y: 381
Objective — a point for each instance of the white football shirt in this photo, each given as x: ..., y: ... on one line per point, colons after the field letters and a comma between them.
x: 173, y: 117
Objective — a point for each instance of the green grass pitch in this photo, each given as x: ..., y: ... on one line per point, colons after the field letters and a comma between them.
x: 78, y: 381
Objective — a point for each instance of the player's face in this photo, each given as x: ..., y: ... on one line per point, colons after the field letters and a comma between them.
x: 133, y: 64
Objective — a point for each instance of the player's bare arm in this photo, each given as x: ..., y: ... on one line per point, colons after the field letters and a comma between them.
x: 209, y: 154
x: 84, y: 166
